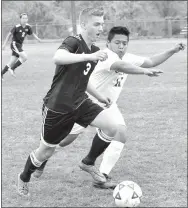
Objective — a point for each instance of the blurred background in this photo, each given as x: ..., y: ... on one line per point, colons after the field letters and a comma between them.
x: 57, y: 19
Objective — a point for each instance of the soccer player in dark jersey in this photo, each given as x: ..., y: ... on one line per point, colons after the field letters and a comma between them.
x: 18, y: 34
x: 67, y: 103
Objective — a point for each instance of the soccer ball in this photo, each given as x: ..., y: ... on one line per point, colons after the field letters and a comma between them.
x: 127, y: 194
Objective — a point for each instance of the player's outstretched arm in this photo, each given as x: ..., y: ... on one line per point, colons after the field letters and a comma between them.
x: 162, y: 57
x: 93, y: 91
x: 64, y: 57
x: 6, y: 40
x: 36, y: 37
x: 129, y: 68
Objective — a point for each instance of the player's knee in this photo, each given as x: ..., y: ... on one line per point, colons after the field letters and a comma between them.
x: 121, y: 134
x: 44, y: 153
x: 23, y: 58
x: 68, y: 140
x: 48, y: 153
x: 110, y: 129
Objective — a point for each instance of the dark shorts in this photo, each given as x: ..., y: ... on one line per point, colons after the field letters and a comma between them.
x: 56, y: 126
x: 16, y: 47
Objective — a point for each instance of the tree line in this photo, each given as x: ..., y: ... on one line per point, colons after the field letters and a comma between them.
x: 59, y: 12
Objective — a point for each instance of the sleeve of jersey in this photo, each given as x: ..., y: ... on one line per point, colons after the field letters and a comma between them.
x: 134, y: 59
x: 106, y: 65
x: 70, y: 44
x: 13, y: 30
x: 30, y: 31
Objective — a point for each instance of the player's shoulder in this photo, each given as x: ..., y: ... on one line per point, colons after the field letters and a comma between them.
x: 73, y: 38
x: 28, y: 25
x: 18, y: 25
x: 95, y: 48
x: 110, y: 53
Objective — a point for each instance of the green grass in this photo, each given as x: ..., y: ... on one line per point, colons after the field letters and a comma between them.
x: 155, y: 157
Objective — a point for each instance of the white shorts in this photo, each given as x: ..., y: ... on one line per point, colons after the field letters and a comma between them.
x: 113, y: 111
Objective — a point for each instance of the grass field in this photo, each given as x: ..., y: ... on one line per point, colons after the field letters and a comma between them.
x: 155, y: 157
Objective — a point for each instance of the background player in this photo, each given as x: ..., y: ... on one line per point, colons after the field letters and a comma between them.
x: 18, y: 33
x: 108, y: 78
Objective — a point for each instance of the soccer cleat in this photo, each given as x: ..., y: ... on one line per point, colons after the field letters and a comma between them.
x: 22, y: 187
x: 94, y: 172
x: 109, y: 184
x: 12, y: 72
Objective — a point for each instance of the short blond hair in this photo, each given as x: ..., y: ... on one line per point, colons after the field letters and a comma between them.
x: 88, y: 12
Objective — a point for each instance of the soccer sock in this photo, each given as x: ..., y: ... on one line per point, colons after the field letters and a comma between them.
x: 97, y: 148
x: 58, y: 148
x: 111, y: 156
x: 17, y: 64
x: 42, y: 166
x: 31, y: 165
x: 4, y: 70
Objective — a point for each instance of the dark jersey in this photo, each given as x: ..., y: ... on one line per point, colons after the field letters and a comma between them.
x: 20, y: 32
x: 70, y: 81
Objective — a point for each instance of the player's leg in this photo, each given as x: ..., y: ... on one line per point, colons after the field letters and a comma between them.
x: 113, y: 148
x: 91, y: 113
x: 76, y: 130
x: 34, y: 160
x: 113, y: 151
x: 12, y: 60
x: 22, y: 58
x: 65, y: 142
x: 17, y: 50
x: 56, y: 127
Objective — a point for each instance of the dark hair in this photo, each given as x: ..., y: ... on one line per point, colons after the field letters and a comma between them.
x: 22, y: 14
x: 118, y: 30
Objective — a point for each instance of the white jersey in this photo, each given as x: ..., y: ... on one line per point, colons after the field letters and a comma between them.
x: 109, y: 82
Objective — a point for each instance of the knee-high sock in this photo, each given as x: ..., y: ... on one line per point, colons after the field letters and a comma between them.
x: 58, y: 149
x: 17, y: 64
x: 111, y: 156
x: 4, y: 70
x: 31, y: 165
x: 98, y: 146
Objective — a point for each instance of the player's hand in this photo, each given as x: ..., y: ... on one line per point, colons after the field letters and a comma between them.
x: 153, y: 72
x: 98, y: 56
x: 179, y: 47
x: 105, y: 100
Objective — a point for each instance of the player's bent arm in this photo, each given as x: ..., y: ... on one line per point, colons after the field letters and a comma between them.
x: 36, y: 37
x: 162, y: 57
x: 93, y: 91
x: 7, y: 38
x: 127, y: 68
x: 64, y: 57
x: 157, y: 59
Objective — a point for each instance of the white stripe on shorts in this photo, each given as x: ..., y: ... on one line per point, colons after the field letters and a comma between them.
x: 44, y: 115
x: 15, y: 48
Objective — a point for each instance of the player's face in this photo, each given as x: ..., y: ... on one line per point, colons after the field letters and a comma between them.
x: 119, y: 45
x: 24, y: 19
x: 94, y: 27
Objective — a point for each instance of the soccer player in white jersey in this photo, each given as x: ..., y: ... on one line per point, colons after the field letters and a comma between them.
x: 108, y: 78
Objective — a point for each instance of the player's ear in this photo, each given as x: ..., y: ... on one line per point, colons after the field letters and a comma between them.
x: 83, y: 25
x: 107, y: 43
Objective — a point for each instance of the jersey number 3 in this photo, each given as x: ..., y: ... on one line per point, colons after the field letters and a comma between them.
x: 88, y: 67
